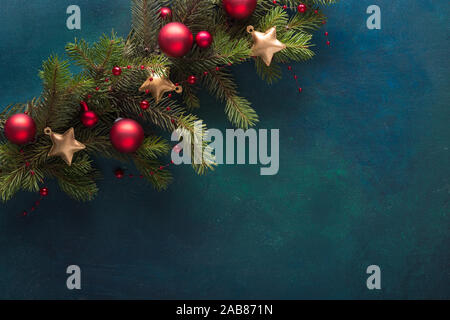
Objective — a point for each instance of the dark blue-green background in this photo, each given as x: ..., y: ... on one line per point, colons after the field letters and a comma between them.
x: 364, y: 175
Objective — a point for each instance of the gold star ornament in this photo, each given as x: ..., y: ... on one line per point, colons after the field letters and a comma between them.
x: 64, y: 145
x: 266, y: 44
x: 158, y: 85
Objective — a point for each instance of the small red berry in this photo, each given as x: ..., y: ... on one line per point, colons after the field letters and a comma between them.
x: 43, y: 192
x: 145, y: 105
x: 192, y: 79
x: 301, y: 8
x: 117, y: 71
x: 165, y: 13
x: 119, y: 173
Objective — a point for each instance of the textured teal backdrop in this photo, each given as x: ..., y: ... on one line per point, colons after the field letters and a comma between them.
x: 364, y: 175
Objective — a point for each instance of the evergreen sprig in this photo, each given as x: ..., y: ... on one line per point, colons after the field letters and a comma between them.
x: 26, y: 167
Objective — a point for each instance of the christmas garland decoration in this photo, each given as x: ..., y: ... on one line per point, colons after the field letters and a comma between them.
x: 129, y: 88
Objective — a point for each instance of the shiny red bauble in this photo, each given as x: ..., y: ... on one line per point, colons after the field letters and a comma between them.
x: 20, y: 128
x: 165, y: 13
x: 126, y: 135
x: 117, y: 71
x: 145, y: 105
x: 192, y: 79
x: 301, y: 8
x: 239, y: 9
x: 203, y: 39
x: 43, y: 192
x: 89, y: 119
x: 175, y: 39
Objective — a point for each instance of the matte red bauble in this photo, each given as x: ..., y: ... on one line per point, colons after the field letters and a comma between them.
x: 126, y: 135
x: 175, y: 39
x: 165, y: 13
x: 203, y: 39
x: 239, y: 9
x: 20, y: 128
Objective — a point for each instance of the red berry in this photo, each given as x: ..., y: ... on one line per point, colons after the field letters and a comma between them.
x: 326, y: 34
x: 117, y: 71
x: 145, y: 105
x: 192, y: 79
x: 119, y: 173
x: 43, y: 192
x: 328, y: 43
x: 165, y: 13
x: 301, y: 8
x: 300, y: 89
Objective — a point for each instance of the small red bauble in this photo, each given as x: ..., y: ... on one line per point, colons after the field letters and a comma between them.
x: 119, y: 173
x: 203, y: 39
x: 145, y: 105
x: 20, y: 128
x: 43, y: 192
x: 239, y: 9
x: 117, y: 71
x: 192, y: 79
x: 175, y: 39
x: 165, y: 13
x: 89, y: 118
x: 126, y: 135
x: 301, y: 8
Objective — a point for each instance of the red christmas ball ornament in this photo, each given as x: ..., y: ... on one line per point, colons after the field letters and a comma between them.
x: 88, y: 118
x: 20, y: 128
x: 119, y: 173
x: 301, y: 8
x: 175, y: 39
x: 239, y: 9
x: 126, y: 135
x: 203, y: 39
x: 145, y: 105
x: 165, y: 13
x: 192, y: 79
x: 117, y: 71
x: 43, y: 192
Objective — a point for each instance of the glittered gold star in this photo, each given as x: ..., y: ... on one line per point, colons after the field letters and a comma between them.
x: 266, y: 44
x: 64, y: 145
x: 158, y: 85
